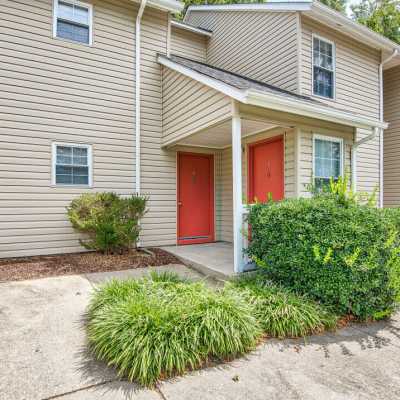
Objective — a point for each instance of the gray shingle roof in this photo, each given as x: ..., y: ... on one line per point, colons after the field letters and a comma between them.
x: 236, y: 80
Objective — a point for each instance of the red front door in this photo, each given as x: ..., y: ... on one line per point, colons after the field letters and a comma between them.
x: 195, y: 198
x: 266, y: 170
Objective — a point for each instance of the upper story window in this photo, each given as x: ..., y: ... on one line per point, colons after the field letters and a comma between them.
x: 72, y: 164
x: 73, y: 21
x: 323, y: 68
x: 328, y: 159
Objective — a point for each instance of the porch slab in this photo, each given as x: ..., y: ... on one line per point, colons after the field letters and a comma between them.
x: 211, y: 259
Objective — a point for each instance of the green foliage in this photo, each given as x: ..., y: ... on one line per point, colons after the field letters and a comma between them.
x: 340, y: 253
x: 111, y: 222
x: 338, y: 5
x: 162, y: 326
x: 280, y: 312
x: 382, y: 16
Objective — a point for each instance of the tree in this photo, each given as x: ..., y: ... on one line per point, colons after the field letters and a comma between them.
x: 382, y: 16
x: 338, y: 5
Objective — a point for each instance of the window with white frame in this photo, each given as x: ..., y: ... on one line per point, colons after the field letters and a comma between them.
x: 73, y: 21
x: 323, y: 68
x: 328, y: 159
x: 72, y: 164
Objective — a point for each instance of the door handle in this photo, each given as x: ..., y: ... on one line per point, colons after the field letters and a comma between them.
x: 179, y: 203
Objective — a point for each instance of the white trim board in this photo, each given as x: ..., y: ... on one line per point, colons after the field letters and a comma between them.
x: 54, y: 146
x: 180, y: 25
x: 276, y: 101
x: 314, y: 10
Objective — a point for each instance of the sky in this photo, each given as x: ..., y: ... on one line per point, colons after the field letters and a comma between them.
x: 349, y: 3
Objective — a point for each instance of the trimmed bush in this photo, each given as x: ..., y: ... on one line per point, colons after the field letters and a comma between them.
x: 162, y: 326
x: 340, y: 253
x: 279, y: 312
x: 111, y: 222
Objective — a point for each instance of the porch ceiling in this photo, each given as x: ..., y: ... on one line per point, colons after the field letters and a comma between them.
x: 220, y: 136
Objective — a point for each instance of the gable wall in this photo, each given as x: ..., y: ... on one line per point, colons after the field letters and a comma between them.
x: 262, y: 46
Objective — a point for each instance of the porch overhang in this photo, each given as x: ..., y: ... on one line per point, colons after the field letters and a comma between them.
x: 271, y: 98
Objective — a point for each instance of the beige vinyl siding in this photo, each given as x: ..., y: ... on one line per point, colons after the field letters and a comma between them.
x: 188, y: 44
x: 391, y: 152
x: 53, y: 90
x: 158, y: 166
x: 189, y: 106
x: 357, y: 90
x: 260, y: 45
x: 226, y: 216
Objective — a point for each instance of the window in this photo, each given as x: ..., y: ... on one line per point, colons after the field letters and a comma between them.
x: 73, y: 21
x: 323, y: 68
x: 72, y: 164
x: 328, y: 156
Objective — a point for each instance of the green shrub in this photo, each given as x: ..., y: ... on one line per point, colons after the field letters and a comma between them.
x: 281, y: 313
x: 161, y: 326
x: 111, y: 222
x: 342, y: 254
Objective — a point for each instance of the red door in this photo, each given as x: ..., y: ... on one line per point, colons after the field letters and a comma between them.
x: 195, y: 198
x: 266, y: 170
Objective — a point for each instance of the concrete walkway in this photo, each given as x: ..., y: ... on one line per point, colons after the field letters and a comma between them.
x: 42, y: 356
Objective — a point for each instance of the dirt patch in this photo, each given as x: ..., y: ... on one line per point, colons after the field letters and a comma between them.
x: 23, y: 268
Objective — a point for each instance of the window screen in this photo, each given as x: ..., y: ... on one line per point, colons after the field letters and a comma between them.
x: 327, y: 161
x: 71, y: 165
x: 73, y: 22
x: 323, y: 68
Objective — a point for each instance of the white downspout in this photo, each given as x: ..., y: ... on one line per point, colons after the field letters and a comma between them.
x: 137, y: 95
x: 394, y: 54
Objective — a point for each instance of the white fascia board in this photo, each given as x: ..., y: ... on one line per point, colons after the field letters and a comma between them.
x: 270, y: 5
x: 222, y: 87
x: 186, y: 27
x: 172, y: 6
x: 302, y: 108
x: 347, y: 26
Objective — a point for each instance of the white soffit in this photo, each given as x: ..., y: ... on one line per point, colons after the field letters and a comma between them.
x: 220, y: 136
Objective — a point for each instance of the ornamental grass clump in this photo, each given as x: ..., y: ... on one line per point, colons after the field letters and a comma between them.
x: 162, y: 326
x: 279, y: 312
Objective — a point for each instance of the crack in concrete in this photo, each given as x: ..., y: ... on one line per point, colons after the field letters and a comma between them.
x: 58, y: 396
x: 161, y: 394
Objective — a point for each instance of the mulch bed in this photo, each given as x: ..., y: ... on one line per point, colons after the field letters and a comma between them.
x: 23, y: 268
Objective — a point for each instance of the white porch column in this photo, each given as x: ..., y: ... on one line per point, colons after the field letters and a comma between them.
x: 237, y: 190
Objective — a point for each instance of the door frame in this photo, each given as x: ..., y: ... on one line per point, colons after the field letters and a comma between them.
x: 250, y: 158
x: 212, y: 199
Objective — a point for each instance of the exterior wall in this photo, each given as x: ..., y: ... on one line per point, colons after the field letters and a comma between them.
x: 58, y: 91
x: 262, y: 46
x: 189, y: 106
x: 357, y: 90
x: 391, y: 152
x: 53, y: 90
x: 188, y: 44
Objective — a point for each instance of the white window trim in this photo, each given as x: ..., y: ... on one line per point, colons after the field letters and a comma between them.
x: 328, y: 139
x: 79, y: 4
x: 54, y: 159
x: 315, y: 36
